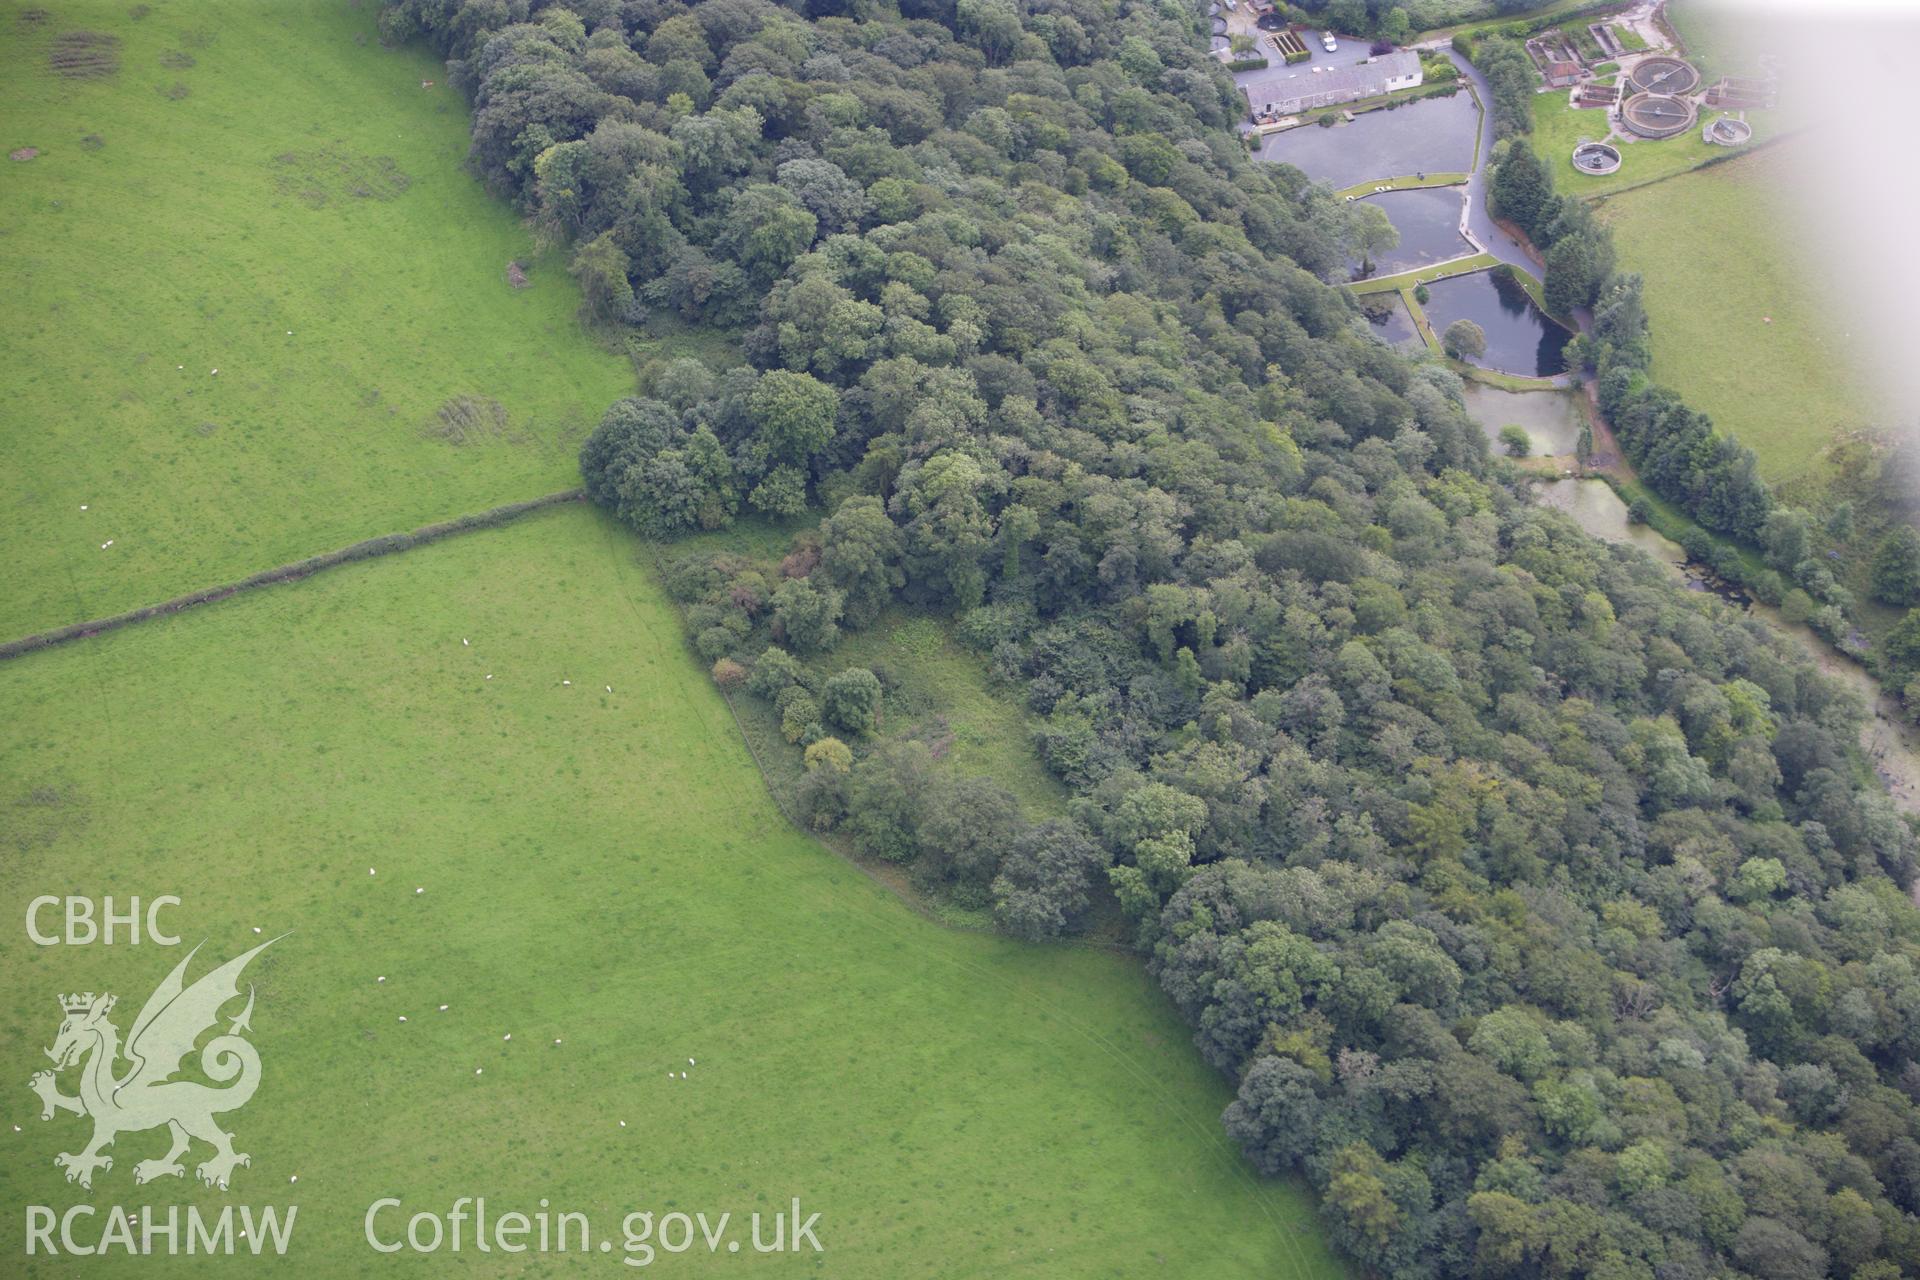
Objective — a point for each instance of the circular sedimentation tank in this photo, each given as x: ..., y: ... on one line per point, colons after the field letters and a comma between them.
x: 1596, y: 158
x: 1670, y: 77
x: 1728, y: 132
x: 1657, y: 115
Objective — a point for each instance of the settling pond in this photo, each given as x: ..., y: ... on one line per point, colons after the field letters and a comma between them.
x: 1520, y: 337
x: 1428, y: 135
x: 1428, y: 220
x: 1551, y: 419
x: 1392, y: 325
x: 1595, y: 507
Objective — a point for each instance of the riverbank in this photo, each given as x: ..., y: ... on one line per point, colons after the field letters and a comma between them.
x: 1598, y: 503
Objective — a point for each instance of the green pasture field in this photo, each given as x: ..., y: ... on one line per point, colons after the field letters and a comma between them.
x: 982, y: 730
x: 606, y: 881
x: 253, y: 169
x: 1558, y: 128
x: 1717, y: 265
x: 1712, y: 35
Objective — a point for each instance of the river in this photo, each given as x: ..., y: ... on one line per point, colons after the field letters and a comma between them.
x: 1891, y: 743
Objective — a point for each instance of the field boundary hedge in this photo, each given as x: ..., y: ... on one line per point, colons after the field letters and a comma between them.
x: 368, y: 549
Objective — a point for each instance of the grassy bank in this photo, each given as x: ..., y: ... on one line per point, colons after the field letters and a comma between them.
x: 1418, y: 314
x: 1493, y: 21
x: 1495, y: 378
x: 1426, y: 275
x: 1405, y: 182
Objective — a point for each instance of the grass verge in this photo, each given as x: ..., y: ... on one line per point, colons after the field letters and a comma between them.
x: 1405, y: 182
x: 1499, y: 20
x: 1426, y: 275
x: 1495, y: 378
x: 1419, y: 315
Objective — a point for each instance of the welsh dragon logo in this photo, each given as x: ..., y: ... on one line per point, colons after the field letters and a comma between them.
x: 145, y: 1096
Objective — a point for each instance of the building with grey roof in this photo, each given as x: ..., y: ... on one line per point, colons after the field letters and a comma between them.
x: 1283, y: 91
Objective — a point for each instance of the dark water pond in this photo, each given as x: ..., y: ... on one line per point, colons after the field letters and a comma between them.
x: 1430, y: 135
x: 1429, y: 225
x: 1520, y: 338
x: 1388, y: 319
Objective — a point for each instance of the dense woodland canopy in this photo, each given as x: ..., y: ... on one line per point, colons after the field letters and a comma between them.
x: 1535, y: 907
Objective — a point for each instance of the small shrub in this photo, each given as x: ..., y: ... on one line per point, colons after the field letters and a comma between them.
x: 851, y: 701
x: 822, y: 798
x: 774, y: 672
x: 728, y: 674
x: 714, y: 643
x: 1767, y: 587
x: 829, y: 754
x: 992, y: 625
x: 1463, y: 340
x: 798, y: 712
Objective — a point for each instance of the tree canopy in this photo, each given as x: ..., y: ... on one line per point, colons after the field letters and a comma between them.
x: 1534, y: 908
